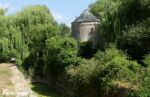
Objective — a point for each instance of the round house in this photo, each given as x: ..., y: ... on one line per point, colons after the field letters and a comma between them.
x: 84, y: 27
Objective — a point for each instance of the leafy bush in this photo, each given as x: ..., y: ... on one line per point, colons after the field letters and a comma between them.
x: 81, y: 75
x: 86, y: 49
x: 147, y: 60
x: 136, y: 40
x: 144, y: 84
x: 115, y: 15
x: 60, y: 52
x: 64, y: 30
x: 107, y: 70
x: 144, y: 87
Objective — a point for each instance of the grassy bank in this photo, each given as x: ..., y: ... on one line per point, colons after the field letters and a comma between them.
x: 43, y: 90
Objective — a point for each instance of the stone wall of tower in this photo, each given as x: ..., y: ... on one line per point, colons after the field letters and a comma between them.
x: 87, y: 31
x: 75, y: 30
x: 84, y: 31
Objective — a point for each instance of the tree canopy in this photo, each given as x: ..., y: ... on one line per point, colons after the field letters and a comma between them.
x: 44, y: 48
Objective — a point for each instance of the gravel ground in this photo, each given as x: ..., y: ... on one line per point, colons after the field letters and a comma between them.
x: 21, y: 88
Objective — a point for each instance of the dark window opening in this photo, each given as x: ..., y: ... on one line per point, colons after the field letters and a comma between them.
x: 92, y: 31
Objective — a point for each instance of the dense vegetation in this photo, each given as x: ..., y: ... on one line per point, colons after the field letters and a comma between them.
x: 43, y: 90
x: 44, y: 48
x: 126, y: 24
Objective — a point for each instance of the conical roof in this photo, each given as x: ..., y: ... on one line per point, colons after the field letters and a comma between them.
x: 86, y: 16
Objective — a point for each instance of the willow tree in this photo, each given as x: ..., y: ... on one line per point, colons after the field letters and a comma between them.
x: 36, y: 25
x: 117, y: 14
x: 10, y: 44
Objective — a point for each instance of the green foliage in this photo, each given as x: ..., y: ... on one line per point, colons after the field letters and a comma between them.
x: 10, y: 42
x: 147, y: 60
x: 43, y: 90
x: 64, y: 30
x: 42, y: 47
x: 82, y: 75
x: 38, y: 14
x: 125, y: 22
x: 86, y: 49
x: 33, y: 37
x: 145, y: 91
x: 115, y: 66
x: 144, y: 84
x: 115, y: 15
x: 2, y: 11
x: 4, y: 49
x: 136, y: 39
x: 24, y: 36
x: 36, y: 25
x: 61, y: 51
x: 107, y: 70
x: 109, y: 54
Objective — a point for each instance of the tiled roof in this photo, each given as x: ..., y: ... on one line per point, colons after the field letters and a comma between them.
x: 86, y: 16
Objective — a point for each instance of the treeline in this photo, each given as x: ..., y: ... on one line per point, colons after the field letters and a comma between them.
x: 44, y: 48
x: 26, y: 36
x: 125, y: 23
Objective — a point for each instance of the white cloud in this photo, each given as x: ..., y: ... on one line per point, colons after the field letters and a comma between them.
x: 4, y: 5
x: 10, y: 9
x: 60, y: 18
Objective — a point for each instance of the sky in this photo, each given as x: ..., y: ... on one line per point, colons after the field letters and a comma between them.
x: 64, y: 11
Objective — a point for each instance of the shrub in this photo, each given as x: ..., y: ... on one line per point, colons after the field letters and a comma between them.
x: 60, y: 52
x: 107, y: 70
x: 86, y: 49
x: 147, y: 60
x: 144, y: 84
x: 136, y: 40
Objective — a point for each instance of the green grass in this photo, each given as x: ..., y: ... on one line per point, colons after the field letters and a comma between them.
x: 43, y: 90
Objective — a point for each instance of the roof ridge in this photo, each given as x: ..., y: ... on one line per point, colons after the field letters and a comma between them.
x: 87, y: 16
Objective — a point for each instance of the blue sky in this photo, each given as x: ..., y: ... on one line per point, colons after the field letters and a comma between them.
x: 63, y: 10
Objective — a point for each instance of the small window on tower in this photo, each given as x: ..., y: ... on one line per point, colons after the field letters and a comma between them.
x: 92, y: 31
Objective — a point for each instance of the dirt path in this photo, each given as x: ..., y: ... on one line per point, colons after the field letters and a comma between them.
x: 20, y: 83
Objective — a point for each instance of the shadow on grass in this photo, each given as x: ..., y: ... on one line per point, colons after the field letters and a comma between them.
x: 43, y: 90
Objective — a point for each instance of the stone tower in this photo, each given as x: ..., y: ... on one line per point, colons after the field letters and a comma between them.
x: 84, y: 28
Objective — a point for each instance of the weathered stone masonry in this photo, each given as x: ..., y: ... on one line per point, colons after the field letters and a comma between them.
x: 84, y: 28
